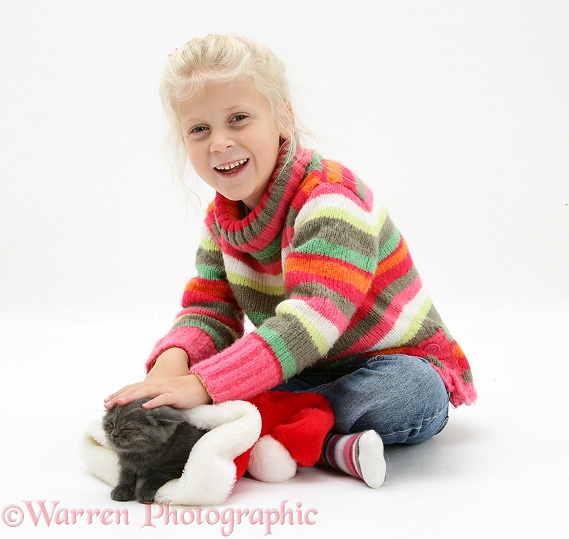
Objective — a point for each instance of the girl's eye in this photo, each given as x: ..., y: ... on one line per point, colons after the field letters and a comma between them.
x: 198, y: 129
x: 239, y: 117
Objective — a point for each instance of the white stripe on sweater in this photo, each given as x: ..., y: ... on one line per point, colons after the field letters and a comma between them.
x: 404, y: 321
x: 334, y: 205
x: 322, y: 332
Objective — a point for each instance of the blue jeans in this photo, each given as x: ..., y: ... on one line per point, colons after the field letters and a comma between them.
x: 401, y: 397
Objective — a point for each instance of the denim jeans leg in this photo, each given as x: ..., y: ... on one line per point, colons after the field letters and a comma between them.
x: 401, y: 397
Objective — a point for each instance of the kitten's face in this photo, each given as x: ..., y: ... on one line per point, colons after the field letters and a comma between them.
x: 133, y: 428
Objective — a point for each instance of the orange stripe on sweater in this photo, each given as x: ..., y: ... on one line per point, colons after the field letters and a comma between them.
x: 330, y: 269
x: 394, y: 259
x: 332, y: 171
x: 311, y: 181
x: 216, y: 289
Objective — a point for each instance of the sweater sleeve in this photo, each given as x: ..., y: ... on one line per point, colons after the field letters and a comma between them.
x: 328, y: 270
x: 211, y: 319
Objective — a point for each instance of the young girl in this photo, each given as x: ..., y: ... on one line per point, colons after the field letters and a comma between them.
x: 299, y: 245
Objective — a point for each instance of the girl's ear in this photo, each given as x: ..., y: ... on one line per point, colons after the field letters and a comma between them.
x: 290, y: 112
x: 287, y: 122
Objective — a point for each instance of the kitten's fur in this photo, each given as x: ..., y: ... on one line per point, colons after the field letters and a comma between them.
x: 153, y: 447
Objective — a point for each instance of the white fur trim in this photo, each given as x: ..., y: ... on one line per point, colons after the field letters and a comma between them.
x: 210, y: 473
x: 97, y: 454
x: 371, y: 459
x: 270, y: 461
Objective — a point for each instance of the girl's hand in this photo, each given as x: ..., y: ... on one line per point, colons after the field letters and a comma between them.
x: 168, y: 382
x: 179, y: 391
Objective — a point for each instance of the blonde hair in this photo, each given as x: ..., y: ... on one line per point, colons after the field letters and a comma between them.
x: 221, y: 58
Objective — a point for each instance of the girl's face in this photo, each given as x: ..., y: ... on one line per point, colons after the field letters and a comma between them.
x: 231, y: 139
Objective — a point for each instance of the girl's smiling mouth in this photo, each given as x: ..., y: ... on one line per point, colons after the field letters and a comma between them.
x: 232, y: 167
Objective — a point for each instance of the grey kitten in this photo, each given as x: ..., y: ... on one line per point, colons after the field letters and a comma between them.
x: 152, y: 445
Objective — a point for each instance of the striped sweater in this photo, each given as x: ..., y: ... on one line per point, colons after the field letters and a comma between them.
x: 323, y: 275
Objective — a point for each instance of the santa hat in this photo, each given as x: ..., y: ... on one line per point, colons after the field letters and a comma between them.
x: 269, y: 437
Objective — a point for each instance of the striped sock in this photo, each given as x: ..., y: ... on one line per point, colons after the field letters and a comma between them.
x: 360, y: 455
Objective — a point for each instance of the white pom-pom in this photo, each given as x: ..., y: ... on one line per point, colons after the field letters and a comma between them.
x: 270, y: 461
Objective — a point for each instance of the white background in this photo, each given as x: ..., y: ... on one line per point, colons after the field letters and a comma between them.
x: 455, y: 112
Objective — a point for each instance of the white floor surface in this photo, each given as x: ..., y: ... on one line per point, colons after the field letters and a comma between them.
x: 499, y: 469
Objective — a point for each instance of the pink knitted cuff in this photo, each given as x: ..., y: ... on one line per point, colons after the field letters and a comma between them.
x: 196, y: 342
x: 243, y: 370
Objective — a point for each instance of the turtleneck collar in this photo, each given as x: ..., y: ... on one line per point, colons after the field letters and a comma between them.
x: 255, y: 231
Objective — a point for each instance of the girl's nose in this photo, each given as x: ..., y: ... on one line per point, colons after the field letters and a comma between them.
x: 221, y: 142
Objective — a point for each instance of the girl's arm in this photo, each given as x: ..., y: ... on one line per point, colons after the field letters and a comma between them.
x: 210, y: 320
x: 172, y: 362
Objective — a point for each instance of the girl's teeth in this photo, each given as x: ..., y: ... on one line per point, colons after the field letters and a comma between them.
x: 232, y: 165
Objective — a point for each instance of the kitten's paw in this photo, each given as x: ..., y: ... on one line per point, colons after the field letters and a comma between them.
x: 145, y: 495
x: 122, y: 493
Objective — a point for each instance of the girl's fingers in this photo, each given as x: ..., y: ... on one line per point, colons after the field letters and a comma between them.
x: 123, y: 396
x: 160, y: 400
x: 117, y: 394
x: 179, y: 391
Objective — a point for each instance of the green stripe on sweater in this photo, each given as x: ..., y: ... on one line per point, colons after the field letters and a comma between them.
x: 211, y: 273
x: 184, y: 321
x: 319, y: 246
x: 270, y: 250
x: 280, y: 349
x: 257, y: 318
x: 390, y: 245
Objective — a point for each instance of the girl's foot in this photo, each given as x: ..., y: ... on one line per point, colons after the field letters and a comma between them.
x: 359, y: 454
